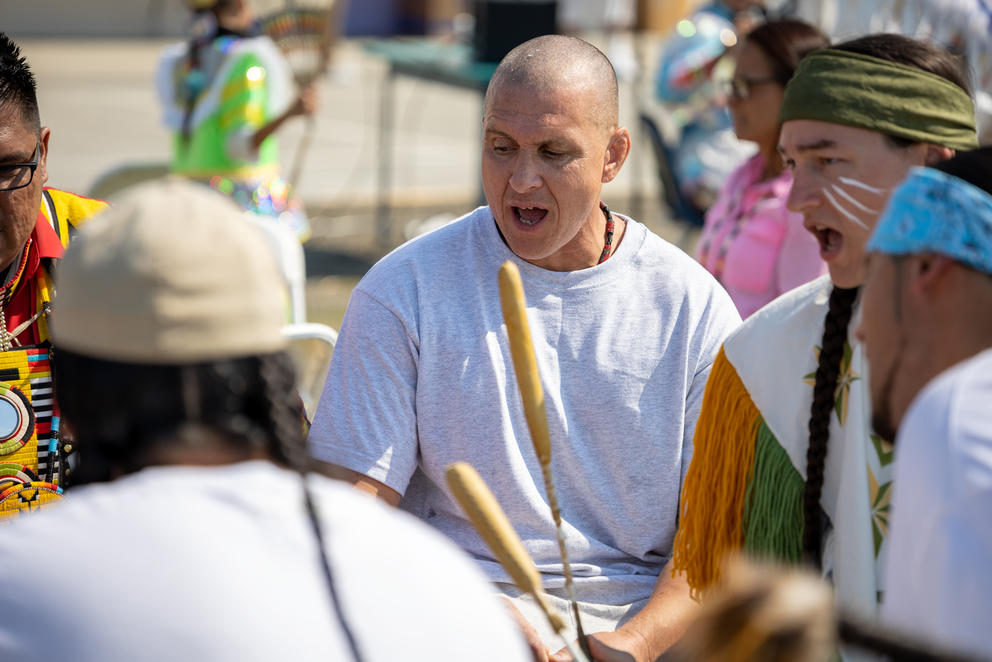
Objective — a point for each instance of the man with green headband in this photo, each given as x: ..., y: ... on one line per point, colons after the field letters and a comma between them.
x: 785, y: 462
x: 927, y: 333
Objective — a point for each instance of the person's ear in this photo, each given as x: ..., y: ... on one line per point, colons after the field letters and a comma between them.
x: 934, y: 154
x: 42, y: 172
x: 616, y: 153
x: 927, y: 273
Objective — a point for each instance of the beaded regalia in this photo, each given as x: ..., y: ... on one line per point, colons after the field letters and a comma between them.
x: 34, y: 465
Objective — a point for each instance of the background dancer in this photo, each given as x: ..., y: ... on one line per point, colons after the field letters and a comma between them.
x: 225, y: 93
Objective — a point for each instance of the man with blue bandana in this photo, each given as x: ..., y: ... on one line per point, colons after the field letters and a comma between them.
x: 927, y: 333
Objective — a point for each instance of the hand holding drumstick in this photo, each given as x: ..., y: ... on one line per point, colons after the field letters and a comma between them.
x: 490, y: 521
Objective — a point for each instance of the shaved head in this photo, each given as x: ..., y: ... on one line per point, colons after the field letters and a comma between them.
x: 551, y: 139
x: 555, y: 63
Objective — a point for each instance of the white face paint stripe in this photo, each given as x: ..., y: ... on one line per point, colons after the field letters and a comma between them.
x: 847, y: 196
x: 854, y: 219
x: 862, y: 185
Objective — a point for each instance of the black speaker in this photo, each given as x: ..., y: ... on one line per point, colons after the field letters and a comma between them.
x: 501, y: 25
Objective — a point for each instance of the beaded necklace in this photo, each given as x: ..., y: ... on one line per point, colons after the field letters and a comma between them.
x: 11, y: 278
x: 610, y: 225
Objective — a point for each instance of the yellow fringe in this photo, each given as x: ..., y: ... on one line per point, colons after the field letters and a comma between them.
x: 712, y: 507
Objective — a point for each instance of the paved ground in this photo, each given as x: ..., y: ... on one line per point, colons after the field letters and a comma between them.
x: 98, y: 97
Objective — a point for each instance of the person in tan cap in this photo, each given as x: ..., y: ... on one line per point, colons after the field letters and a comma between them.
x: 199, y: 535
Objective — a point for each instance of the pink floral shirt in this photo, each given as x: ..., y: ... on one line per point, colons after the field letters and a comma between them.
x: 754, y: 246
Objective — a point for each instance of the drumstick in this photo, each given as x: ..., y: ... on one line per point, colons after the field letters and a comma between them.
x: 490, y: 521
x: 511, y: 292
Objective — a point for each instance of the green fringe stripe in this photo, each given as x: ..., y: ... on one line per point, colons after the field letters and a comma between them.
x: 773, y: 503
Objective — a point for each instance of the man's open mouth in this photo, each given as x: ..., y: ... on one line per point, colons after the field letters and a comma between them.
x: 530, y: 215
x: 831, y: 241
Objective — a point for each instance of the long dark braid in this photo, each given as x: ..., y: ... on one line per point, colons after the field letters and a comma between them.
x: 278, y: 383
x: 841, y: 306
x: 283, y: 410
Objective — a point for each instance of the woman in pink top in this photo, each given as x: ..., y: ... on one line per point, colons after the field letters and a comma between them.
x: 754, y: 246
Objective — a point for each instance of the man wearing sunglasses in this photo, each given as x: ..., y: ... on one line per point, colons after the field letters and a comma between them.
x: 35, y: 225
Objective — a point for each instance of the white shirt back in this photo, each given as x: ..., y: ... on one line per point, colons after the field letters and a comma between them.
x: 939, y: 584
x: 220, y: 563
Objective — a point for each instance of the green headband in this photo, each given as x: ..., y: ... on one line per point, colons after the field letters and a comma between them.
x: 870, y: 93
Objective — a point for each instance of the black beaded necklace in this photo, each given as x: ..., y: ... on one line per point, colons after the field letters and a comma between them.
x: 610, y: 225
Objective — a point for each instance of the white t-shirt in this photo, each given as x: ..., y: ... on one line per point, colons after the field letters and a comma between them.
x: 939, y: 579
x: 220, y: 563
x: 422, y: 377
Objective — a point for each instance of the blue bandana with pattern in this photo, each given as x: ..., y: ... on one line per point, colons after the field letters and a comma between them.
x: 933, y: 212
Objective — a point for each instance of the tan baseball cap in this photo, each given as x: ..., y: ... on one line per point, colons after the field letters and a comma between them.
x: 170, y: 274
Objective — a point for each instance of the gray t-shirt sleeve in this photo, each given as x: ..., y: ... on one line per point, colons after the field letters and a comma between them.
x: 719, y: 321
x: 366, y: 419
